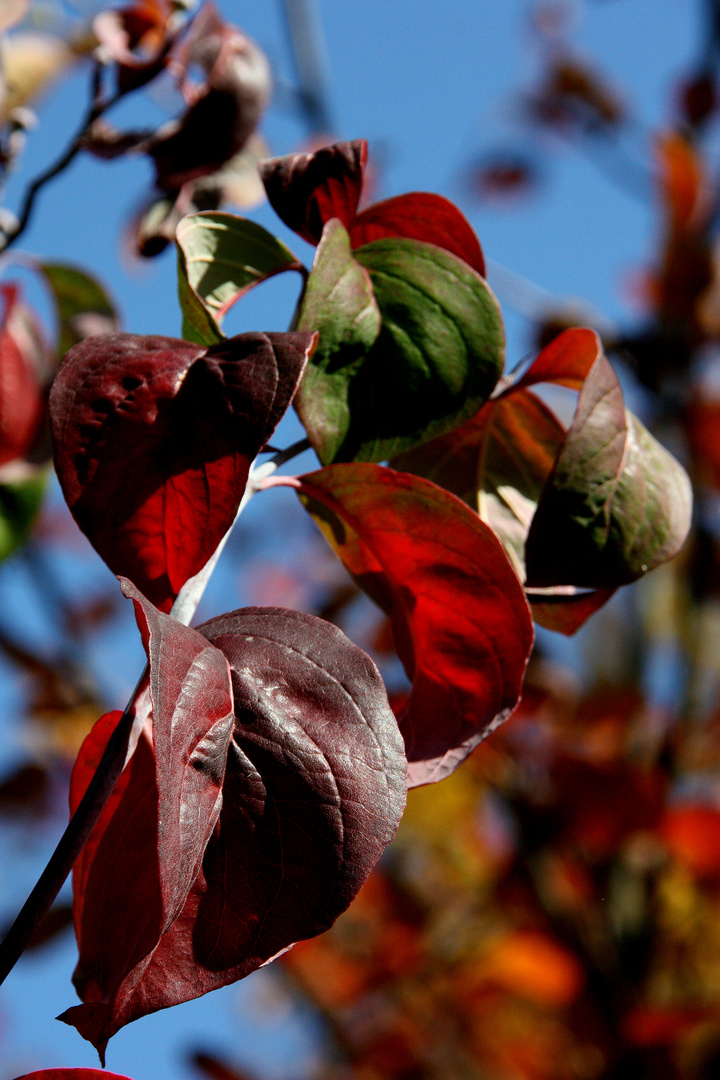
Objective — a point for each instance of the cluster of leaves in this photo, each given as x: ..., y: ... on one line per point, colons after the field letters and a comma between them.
x: 266, y: 770
x: 265, y: 762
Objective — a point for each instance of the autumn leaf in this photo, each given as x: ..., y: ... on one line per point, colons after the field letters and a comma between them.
x: 312, y: 792
x: 421, y: 554
x: 154, y: 438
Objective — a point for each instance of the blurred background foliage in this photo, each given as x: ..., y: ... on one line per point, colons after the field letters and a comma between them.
x: 552, y: 910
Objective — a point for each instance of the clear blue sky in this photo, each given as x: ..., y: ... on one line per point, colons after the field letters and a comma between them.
x: 430, y: 83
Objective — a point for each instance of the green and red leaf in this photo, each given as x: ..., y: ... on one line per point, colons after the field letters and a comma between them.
x: 420, y: 215
x: 436, y: 358
x: 616, y: 504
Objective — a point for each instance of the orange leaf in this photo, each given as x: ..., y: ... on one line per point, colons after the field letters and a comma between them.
x: 529, y: 963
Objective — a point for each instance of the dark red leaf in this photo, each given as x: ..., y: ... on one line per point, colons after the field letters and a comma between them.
x: 420, y: 215
x: 192, y: 722
x: 307, y: 190
x: 423, y: 556
x: 117, y: 904
x: 72, y: 1074
x: 20, y: 392
x: 154, y: 438
x: 313, y: 791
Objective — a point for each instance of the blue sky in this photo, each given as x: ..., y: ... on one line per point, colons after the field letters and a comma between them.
x: 430, y: 83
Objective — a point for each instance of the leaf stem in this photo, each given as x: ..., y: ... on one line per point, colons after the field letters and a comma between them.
x: 117, y: 751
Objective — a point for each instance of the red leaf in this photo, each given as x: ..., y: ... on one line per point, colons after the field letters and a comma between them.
x: 307, y: 190
x: 567, y: 360
x: 72, y: 1074
x: 154, y: 438
x: 192, y: 711
x: 20, y: 392
x: 421, y: 554
x: 313, y: 791
x: 117, y: 903
x: 692, y: 833
x: 565, y: 608
x: 420, y: 215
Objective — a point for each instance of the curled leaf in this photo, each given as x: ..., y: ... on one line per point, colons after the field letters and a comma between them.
x: 220, y: 257
x: 616, y: 504
x: 420, y: 554
x: 154, y: 438
x: 308, y: 190
x: 192, y: 722
x: 223, y: 112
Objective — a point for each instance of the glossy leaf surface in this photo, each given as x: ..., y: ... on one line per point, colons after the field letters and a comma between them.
x: 154, y: 438
x: 435, y: 360
x: 307, y: 190
x: 421, y: 554
x: 220, y: 257
x: 339, y: 302
x: 192, y: 724
x: 420, y: 215
x: 616, y: 504
x: 497, y: 462
x: 439, y: 354
x: 313, y: 791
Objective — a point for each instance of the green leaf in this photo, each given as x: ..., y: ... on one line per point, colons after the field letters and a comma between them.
x: 220, y: 257
x: 20, y: 501
x: 339, y: 303
x: 616, y: 504
x: 82, y: 304
x: 436, y: 359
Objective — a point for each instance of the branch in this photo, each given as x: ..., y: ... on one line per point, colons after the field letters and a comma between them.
x: 308, y: 50
x: 97, y: 107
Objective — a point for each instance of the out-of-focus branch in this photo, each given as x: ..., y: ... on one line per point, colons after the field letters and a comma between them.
x: 98, y: 105
x: 304, y: 27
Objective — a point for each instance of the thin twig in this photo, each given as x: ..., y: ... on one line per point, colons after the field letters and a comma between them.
x: 97, y: 107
